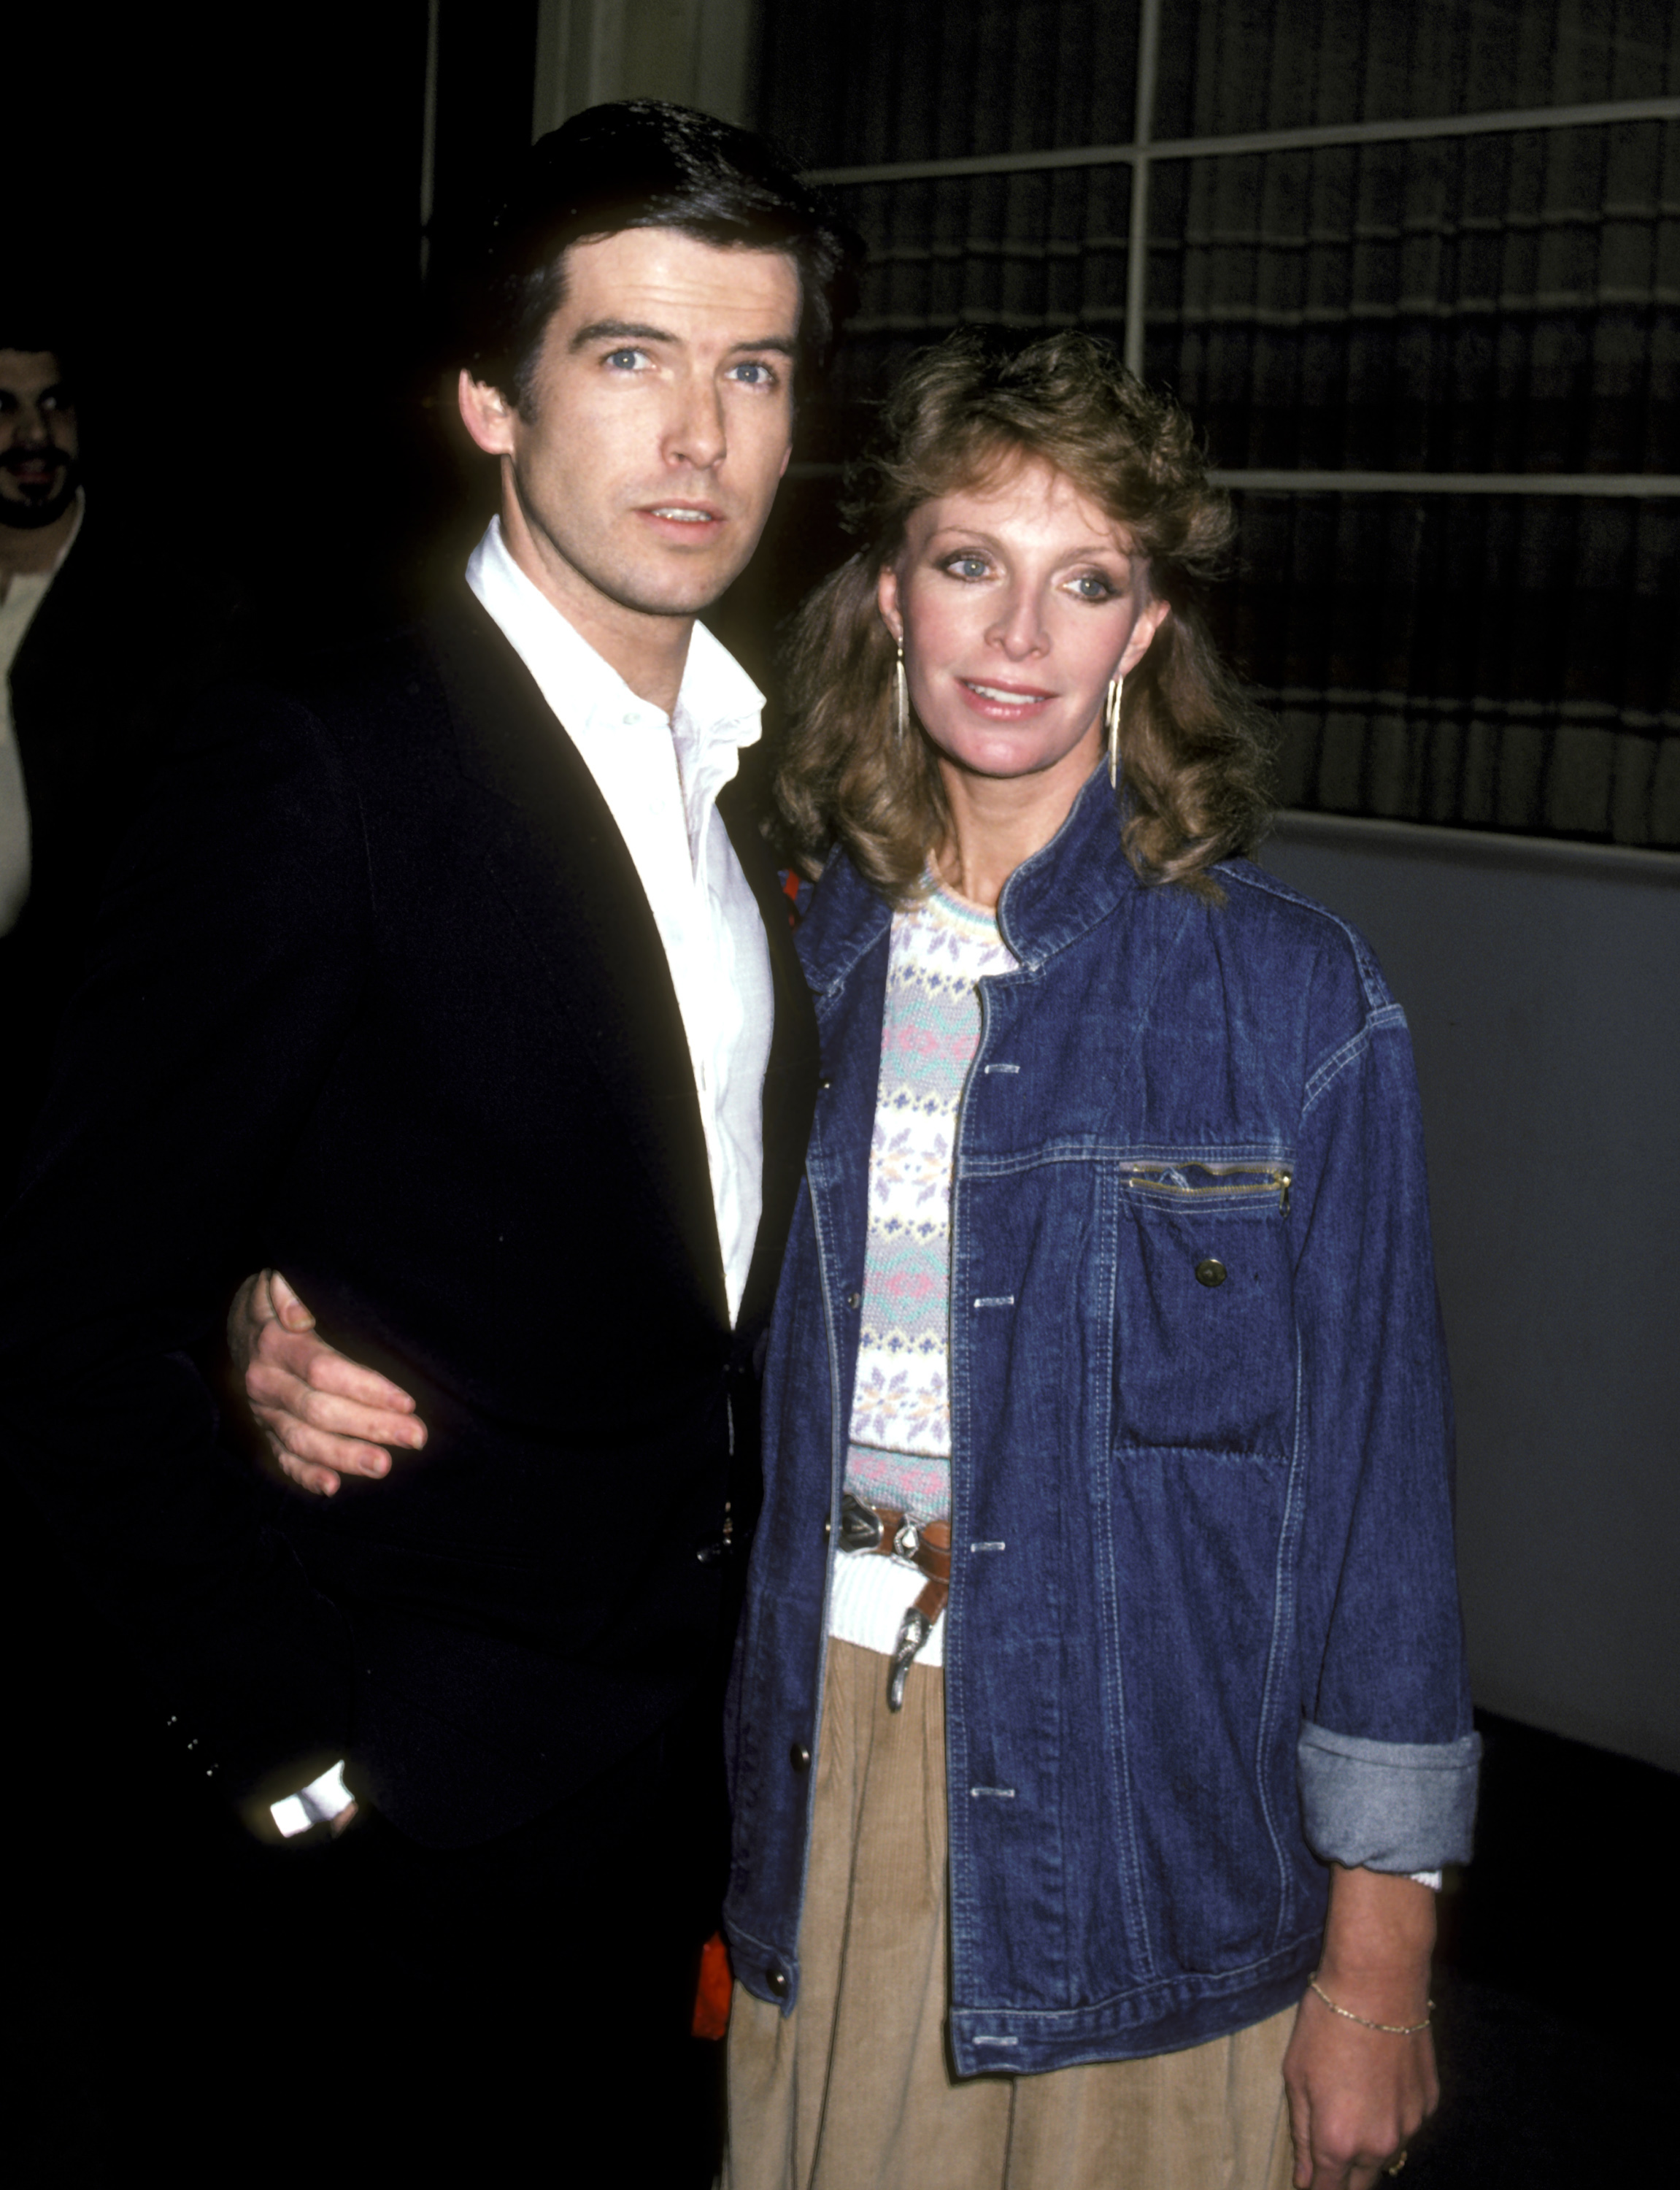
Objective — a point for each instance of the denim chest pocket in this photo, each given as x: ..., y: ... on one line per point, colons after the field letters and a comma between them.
x: 1203, y: 1350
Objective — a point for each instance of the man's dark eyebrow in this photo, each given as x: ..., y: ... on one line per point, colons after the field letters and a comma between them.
x: 633, y: 330
x: 619, y: 330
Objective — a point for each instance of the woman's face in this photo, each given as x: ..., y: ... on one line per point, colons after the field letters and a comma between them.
x: 1016, y: 602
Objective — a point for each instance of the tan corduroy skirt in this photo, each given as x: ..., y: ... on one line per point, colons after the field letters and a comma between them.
x: 853, y: 2091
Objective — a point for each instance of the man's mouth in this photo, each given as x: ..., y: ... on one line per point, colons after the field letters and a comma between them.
x: 33, y: 471
x: 693, y: 514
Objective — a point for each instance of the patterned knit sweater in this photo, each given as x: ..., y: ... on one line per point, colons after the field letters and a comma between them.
x: 899, y: 1450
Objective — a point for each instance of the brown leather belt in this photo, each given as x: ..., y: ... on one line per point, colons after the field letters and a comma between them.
x: 924, y: 1545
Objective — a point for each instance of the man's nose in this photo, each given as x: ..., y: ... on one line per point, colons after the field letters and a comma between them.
x: 30, y: 427
x: 696, y: 437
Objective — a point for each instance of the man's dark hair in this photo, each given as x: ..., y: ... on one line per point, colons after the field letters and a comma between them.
x: 644, y: 163
x: 40, y: 325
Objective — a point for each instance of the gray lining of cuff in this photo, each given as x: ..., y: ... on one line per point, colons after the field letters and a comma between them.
x: 1399, y: 1806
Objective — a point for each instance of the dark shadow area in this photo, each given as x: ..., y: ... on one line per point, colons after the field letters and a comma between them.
x: 1555, y: 2015
x: 180, y: 2018
x: 235, y: 239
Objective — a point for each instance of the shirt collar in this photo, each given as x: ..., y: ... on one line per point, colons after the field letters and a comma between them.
x: 717, y: 706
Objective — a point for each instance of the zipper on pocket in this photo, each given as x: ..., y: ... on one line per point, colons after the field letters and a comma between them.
x: 1221, y: 1178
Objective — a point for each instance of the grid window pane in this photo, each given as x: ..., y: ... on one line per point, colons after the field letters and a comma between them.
x: 1493, y: 304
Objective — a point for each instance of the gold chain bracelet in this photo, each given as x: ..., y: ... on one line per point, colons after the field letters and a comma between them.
x: 1394, y: 2029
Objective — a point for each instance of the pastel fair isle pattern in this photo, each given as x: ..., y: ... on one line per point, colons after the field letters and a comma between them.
x: 900, y: 1452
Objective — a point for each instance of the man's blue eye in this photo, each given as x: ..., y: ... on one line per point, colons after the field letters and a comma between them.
x: 623, y: 356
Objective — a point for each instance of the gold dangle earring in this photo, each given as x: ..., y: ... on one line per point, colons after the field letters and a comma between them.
x: 901, y: 689
x: 1110, y: 723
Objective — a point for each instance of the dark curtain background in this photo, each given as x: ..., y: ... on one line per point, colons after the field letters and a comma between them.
x: 1505, y: 303
x: 227, y: 210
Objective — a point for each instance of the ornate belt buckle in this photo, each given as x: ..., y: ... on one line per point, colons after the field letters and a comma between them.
x: 907, y: 1542
x: 861, y: 1527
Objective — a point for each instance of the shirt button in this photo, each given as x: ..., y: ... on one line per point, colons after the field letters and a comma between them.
x: 854, y: 1299
x: 1210, y: 1272
x: 824, y: 1085
x: 776, y: 1977
x: 799, y: 1757
x: 827, y: 1528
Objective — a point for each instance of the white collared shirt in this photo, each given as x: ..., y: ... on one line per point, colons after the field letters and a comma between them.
x: 23, y: 596
x: 661, y: 776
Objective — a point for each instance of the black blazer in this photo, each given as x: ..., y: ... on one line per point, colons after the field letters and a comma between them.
x: 377, y: 996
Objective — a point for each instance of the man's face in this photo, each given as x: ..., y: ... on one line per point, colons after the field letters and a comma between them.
x: 38, y: 443
x: 660, y: 419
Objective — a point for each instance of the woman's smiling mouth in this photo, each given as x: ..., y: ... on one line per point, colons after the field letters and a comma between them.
x: 1016, y: 698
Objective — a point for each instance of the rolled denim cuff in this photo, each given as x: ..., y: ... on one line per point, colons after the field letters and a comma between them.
x: 1401, y: 1806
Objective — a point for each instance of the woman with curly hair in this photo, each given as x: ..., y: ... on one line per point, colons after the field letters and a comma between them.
x: 1099, y: 1710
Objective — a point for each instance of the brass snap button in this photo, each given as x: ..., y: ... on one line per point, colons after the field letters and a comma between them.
x: 1210, y: 1272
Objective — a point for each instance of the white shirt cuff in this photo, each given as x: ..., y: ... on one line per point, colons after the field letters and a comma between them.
x: 317, y: 1804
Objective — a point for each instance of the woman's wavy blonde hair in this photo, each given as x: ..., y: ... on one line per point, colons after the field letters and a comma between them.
x: 1194, y: 748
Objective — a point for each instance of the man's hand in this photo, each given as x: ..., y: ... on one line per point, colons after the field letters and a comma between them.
x: 1356, y: 2095
x: 323, y: 1415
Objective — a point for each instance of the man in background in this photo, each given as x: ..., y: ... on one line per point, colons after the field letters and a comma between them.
x: 41, y: 512
x: 103, y: 633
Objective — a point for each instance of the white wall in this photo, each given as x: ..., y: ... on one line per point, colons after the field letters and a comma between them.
x: 1542, y: 986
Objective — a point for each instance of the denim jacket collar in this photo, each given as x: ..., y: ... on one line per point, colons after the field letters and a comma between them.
x: 1054, y: 897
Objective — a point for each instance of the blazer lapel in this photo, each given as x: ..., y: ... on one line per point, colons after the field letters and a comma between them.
x: 562, y: 869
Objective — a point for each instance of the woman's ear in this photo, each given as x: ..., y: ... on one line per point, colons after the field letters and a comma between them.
x: 1151, y: 617
x: 886, y: 599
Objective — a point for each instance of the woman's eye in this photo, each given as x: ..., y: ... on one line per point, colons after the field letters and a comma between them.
x: 1090, y: 586
x: 967, y: 566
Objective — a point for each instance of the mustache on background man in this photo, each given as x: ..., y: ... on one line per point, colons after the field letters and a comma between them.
x: 41, y: 468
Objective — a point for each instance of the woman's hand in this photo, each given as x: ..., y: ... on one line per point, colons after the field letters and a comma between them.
x: 1356, y: 2095
x: 323, y: 1415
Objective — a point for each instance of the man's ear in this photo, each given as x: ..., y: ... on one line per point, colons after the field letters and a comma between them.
x: 487, y: 415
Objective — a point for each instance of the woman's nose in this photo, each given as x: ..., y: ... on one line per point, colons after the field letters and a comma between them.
x: 1018, y: 627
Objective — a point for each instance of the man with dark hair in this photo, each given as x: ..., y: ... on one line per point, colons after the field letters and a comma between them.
x: 90, y: 657
x: 40, y: 515
x: 453, y: 982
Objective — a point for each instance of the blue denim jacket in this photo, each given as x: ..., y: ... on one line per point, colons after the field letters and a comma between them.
x: 1203, y: 1630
